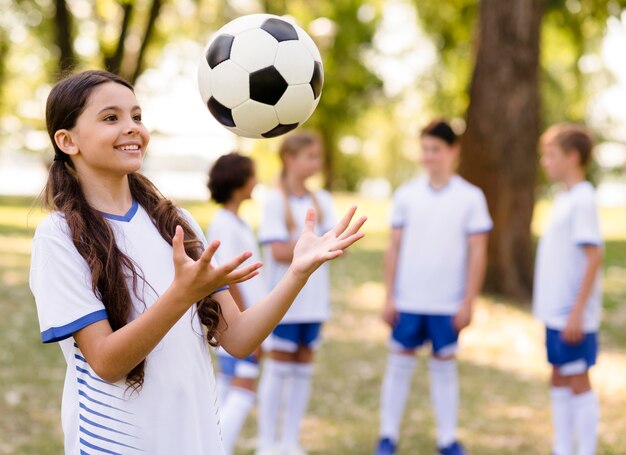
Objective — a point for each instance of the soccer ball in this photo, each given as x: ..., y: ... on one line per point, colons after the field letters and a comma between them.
x: 261, y: 76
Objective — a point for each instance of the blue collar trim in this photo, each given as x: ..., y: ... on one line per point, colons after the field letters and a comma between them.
x: 127, y: 217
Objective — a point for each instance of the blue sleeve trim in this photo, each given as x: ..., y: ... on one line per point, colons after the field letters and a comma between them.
x: 397, y: 226
x: 589, y: 243
x: 265, y: 242
x: 54, y: 334
x: 480, y: 231
x: 223, y: 288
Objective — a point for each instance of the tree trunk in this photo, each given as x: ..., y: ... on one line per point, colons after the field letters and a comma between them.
x: 500, y: 142
x: 113, y: 62
x: 64, y: 36
x: 155, y: 11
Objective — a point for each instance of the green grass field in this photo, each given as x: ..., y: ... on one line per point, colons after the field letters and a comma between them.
x: 502, y: 367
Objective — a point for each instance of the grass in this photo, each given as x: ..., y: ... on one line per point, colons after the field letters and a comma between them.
x: 502, y: 367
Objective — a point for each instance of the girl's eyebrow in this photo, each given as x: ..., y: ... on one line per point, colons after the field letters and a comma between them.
x: 117, y: 108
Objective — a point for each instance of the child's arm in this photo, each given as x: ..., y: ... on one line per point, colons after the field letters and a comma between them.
x: 390, y: 313
x: 112, y: 355
x: 573, y: 332
x: 282, y: 251
x: 476, y: 265
x: 240, y: 333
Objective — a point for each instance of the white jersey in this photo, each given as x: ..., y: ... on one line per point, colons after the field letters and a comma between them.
x: 312, y: 303
x: 235, y: 237
x: 561, y: 260
x: 175, y: 411
x: 431, y: 271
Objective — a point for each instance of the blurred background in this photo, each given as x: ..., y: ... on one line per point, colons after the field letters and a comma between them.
x: 501, y: 71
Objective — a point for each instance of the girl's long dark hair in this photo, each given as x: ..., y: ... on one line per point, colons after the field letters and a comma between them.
x: 91, y: 233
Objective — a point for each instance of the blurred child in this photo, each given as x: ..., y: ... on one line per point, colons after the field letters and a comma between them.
x: 286, y: 381
x: 231, y: 181
x: 568, y: 294
x: 434, y: 269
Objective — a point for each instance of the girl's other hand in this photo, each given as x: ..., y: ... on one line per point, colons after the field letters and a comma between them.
x: 311, y: 251
x: 195, y: 280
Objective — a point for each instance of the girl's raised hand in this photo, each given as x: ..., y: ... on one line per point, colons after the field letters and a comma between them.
x: 311, y: 251
x: 197, y: 279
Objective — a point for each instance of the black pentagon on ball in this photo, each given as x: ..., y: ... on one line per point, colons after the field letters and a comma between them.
x: 280, y: 129
x: 317, y: 80
x: 219, y: 50
x: 279, y: 29
x: 267, y: 85
x: 221, y: 113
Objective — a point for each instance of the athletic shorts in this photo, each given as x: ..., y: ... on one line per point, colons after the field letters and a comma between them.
x: 571, y: 359
x: 288, y: 337
x: 414, y: 330
x: 241, y: 368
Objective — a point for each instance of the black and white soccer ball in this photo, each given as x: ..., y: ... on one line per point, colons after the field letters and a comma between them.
x: 261, y: 76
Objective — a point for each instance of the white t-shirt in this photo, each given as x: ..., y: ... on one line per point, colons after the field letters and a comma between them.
x: 313, y: 302
x: 176, y: 410
x: 431, y: 271
x: 561, y: 261
x: 235, y: 237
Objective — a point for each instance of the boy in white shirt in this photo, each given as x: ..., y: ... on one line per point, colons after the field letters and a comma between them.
x: 568, y: 293
x: 434, y: 269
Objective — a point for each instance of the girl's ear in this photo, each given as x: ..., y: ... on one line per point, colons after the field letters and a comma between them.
x: 64, y: 140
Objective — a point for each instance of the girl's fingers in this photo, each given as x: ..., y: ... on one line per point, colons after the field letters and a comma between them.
x: 178, y: 247
x: 207, y: 255
x: 344, y: 222
x: 309, y: 221
x: 243, y: 271
x: 246, y: 278
x: 234, y: 263
x: 354, y: 228
x: 345, y: 243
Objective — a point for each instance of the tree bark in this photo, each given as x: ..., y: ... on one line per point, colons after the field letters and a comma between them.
x: 155, y: 10
x: 500, y: 142
x: 64, y: 36
x: 113, y: 62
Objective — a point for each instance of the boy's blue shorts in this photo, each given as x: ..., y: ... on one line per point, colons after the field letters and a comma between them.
x: 571, y: 359
x: 414, y: 330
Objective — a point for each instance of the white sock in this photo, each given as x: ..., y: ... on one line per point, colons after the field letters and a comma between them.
x: 444, y: 394
x: 234, y: 412
x: 296, y: 405
x: 223, y: 386
x: 394, y: 392
x: 562, y: 421
x: 275, y: 376
x: 586, y: 417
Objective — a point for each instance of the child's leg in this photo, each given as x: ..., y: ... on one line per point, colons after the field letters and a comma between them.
x: 239, y: 401
x: 298, y: 398
x: 406, y: 337
x: 444, y: 383
x: 586, y: 413
x: 562, y: 414
x: 309, y: 337
x: 278, y: 372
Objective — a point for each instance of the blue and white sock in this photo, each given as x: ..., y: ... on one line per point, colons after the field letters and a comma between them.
x: 394, y: 393
x: 296, y: 404
x: 562, y: 421
x: 444, y: 394
x: 234, y: 412
x: 586, y: 418
x: 275, y: 378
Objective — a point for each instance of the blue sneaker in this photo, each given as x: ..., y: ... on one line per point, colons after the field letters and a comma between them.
x: 385, y: 447
x: 453, y: 449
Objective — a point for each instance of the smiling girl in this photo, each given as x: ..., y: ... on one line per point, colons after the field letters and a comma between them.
x: 125, y: 282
